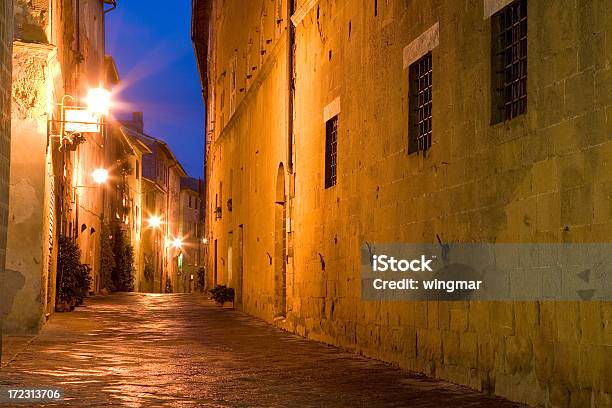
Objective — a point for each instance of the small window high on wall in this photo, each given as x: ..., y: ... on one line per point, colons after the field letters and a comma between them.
x: 420, y: 105
x: 331, y: 151
x: 509, y: 62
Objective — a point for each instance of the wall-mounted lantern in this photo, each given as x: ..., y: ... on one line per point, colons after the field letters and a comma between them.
x: 78, y: 120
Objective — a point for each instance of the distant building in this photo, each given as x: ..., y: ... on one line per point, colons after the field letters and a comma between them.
x: 125, y: 191
x: 161, y: 173
x: 192, y: 224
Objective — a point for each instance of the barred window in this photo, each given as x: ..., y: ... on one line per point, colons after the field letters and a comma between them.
x: 331, y: 151
x: 509, y: 61
x: 420, y: 105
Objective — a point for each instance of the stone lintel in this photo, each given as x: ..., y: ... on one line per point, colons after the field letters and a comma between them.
x: 422, y: 45
x: 331, y: 110
x: 493, y: 6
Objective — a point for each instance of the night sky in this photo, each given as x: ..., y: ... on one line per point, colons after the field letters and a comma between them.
x: 151, y: 44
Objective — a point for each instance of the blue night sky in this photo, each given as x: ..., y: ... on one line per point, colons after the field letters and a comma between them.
x: 152, y: 47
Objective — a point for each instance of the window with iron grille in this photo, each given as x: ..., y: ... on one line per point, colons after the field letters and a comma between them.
x: 509, y: 61
x: 331, y: 151
x: 420, y: 104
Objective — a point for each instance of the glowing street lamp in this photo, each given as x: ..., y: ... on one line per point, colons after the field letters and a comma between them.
x: 154, y: 221
x: 177, y: 243
x: 98, y: 101
x: 100, y: 176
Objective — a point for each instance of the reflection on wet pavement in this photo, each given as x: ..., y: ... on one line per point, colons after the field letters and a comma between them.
x: 147, y: 350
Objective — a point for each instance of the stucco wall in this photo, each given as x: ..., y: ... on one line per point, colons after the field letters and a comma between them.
x: 28, y: 229
x: 45, y: 66
x: 542, y: 177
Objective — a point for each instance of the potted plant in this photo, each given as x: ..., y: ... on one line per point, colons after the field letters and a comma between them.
x: 221, y: 294
x: 74, y: 277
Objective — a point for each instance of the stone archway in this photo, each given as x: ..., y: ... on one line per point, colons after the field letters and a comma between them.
x: 280, y: 245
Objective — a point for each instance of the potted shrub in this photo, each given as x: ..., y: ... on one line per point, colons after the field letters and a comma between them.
x: 221, y: 294
x: 74, y: 279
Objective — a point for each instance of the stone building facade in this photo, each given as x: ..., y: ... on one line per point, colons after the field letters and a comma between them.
x: 124, y: 192
x: 132, y: 201
x: 160, y: 195
x: 123, y: 203
x: 6, y: 52
x: 310, y: 155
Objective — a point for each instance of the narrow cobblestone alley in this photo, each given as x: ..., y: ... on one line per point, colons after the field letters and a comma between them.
x: 179, y: 350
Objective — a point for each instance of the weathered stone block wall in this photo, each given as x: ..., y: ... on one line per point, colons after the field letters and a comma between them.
x: 542, y: 177
x: 248, y: 145
x: 6, y: 58
x: 246, y: 157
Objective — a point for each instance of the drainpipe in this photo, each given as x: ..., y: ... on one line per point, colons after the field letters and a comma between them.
x: 79, y: 55
x: 290, y: 82
x: 78, y: 25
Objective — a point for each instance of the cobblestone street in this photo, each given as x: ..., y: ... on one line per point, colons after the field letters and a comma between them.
x: 180, y: 350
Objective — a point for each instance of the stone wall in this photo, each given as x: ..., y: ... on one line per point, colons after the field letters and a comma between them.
x: 6, y: 52
x: 541, y: 177
x: 247, y: 147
